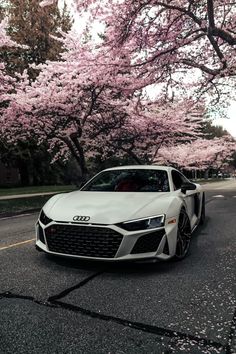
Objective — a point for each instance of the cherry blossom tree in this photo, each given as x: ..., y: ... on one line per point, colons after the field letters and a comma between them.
x: 5, y: 40
x: 84, y: 112
x: 55, y: 108
x: 200, y: 154
x: 146, y: 129
x: 92, y: 102
x: 171, y: 42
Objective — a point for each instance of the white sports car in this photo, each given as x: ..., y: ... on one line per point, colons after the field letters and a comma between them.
x: 123, y: 213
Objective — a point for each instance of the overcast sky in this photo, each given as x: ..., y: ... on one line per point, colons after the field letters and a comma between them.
x: 230, y: 123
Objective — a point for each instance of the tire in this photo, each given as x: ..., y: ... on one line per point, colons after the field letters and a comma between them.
x: 183, y: 236
x: 203, y: 211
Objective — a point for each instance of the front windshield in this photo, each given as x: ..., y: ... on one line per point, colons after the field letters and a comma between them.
x: 132, y: 180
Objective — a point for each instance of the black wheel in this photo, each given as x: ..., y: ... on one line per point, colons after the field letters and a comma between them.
x: 183, y: 235
x: 203, y: 212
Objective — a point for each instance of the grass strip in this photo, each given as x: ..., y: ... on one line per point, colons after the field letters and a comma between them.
x: 22, y: 205
x: 36, y: 189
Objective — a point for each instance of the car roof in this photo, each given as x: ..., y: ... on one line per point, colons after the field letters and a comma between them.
x: 141, y: 167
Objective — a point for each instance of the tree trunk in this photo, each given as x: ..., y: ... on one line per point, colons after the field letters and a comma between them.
x: 82, y: 161
x: 134, y: 157
x: 206, y: 174
x: 24, y: 172
x: 78, y: 153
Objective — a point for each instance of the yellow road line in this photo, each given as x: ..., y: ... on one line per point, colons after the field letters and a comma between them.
x: 17, y: 244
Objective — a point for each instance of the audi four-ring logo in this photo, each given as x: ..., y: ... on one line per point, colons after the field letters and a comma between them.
x: 81, y: 218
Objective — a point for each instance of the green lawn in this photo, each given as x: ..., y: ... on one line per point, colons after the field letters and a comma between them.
x: 23, y: 204
x: 18, y: 205
x: 37, y: 189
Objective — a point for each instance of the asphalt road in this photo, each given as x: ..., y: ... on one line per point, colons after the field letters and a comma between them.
x: 53, y: 305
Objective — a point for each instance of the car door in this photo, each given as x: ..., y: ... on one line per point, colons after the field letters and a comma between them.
x: 190, y: 198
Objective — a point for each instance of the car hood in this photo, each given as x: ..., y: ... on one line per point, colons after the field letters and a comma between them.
x: 107, y: 207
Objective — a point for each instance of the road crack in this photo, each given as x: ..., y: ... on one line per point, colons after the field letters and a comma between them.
x: 156, y: 330
x: 10, y: 295
x: 141, y: 326
x: 75, y: 287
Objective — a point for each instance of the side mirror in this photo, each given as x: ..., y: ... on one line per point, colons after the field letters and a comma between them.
x: 187, y: 186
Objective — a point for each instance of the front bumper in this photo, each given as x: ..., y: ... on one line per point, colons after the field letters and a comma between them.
x: 105, y: 242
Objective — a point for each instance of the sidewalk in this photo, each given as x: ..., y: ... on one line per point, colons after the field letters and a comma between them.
x: 29, y: 195
x: 225, y: 184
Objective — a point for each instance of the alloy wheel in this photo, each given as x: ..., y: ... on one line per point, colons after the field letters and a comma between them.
x: 183, y: 235
x: 203, y: 212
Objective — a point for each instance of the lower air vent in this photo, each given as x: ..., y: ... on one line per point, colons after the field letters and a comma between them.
x: 148, y: 243
x: 41, y: 235
x: 166, y: 249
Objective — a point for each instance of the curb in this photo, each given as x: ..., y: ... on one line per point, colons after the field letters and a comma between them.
x: 31, y: 195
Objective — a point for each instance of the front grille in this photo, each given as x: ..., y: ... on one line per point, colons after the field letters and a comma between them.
x: 85, y: 241
x: 148, y: 243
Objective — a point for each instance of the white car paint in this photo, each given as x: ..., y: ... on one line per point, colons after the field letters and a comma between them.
x: 108, y: 209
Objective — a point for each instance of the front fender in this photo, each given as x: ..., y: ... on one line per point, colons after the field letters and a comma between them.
x: 170, y: 206
x: 51, y: 202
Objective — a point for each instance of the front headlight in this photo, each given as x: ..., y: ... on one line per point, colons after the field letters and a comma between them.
x: 144, y: 224
x: 43, y: 218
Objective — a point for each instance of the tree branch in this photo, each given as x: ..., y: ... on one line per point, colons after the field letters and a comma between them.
x: 210, y: 14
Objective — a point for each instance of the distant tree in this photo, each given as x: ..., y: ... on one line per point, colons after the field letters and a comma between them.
x: 211, y: 131
x: 233, y: 162
x: 6, y: 81
x: 33, y: 26
x: 200, y: 154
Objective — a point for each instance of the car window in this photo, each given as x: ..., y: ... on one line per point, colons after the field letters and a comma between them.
x: 178, y: 179
x: 130, y: 180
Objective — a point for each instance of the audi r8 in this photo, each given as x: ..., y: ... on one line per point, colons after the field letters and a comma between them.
x: 124, y: 213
